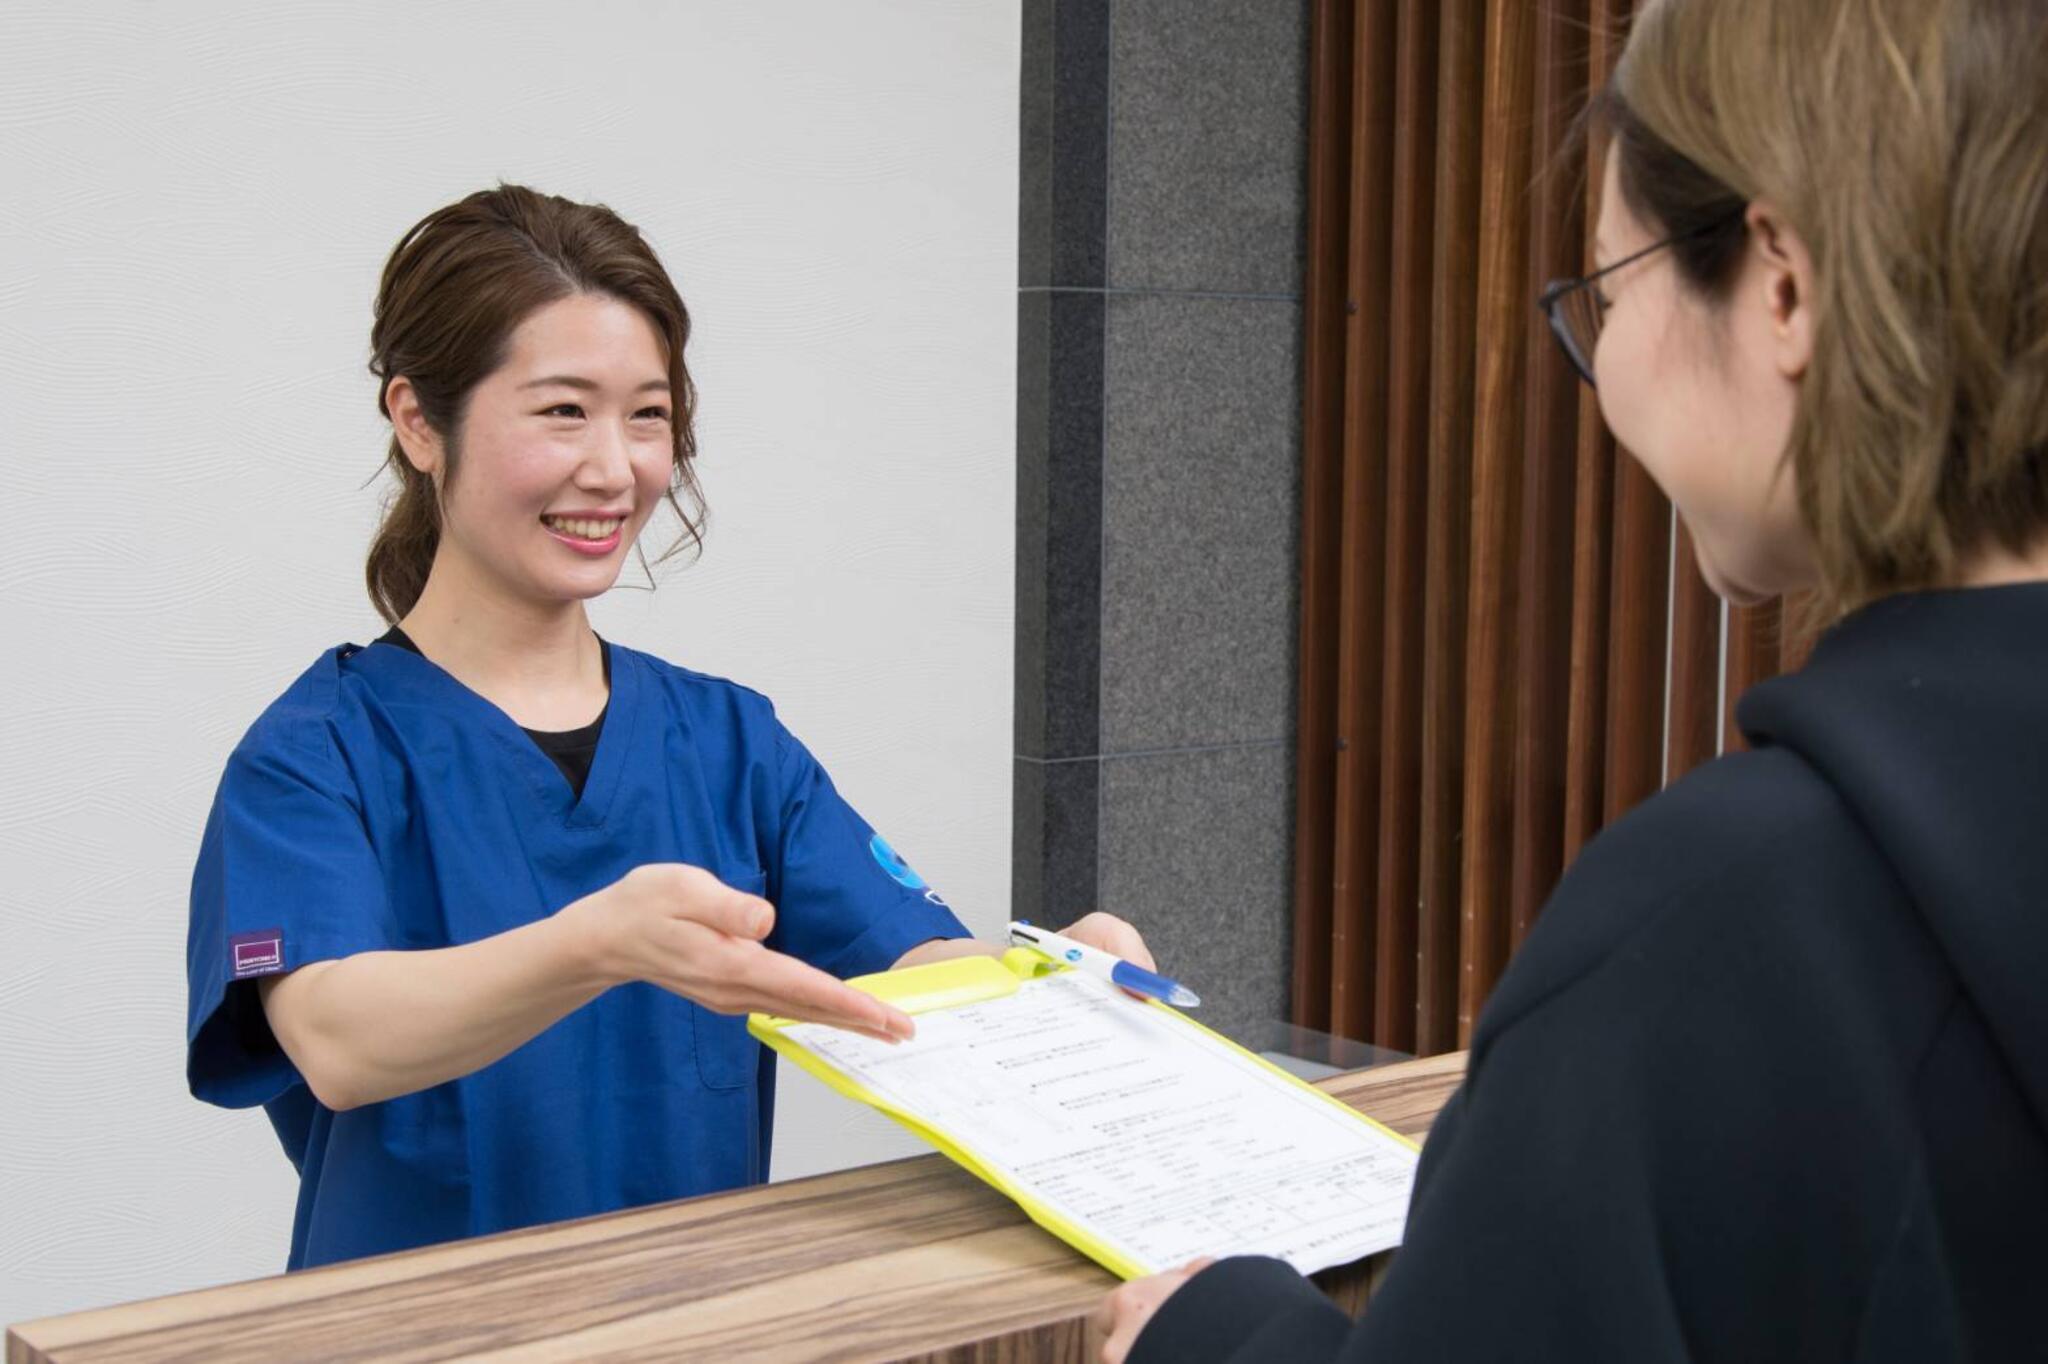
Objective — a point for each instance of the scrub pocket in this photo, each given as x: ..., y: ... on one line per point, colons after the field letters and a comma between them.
x: 728, y: 1057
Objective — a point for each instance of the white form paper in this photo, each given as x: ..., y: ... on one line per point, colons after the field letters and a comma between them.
x: 1152, y: 1135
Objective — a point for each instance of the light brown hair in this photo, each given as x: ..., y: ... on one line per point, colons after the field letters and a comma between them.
x: 1906, y: 141
x: 454, y: 289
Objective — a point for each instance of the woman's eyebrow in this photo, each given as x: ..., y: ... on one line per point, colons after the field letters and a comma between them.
x: 590, y: 385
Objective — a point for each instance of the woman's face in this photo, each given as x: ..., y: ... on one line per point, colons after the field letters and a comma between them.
x: 1703, y: 393
x: 565, y: 449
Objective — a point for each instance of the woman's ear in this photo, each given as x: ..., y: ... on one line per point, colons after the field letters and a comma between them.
x: 1785, y: 275
x: 416, y: 436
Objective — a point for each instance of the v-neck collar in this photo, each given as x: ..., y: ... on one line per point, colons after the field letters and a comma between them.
x: 433, y: 685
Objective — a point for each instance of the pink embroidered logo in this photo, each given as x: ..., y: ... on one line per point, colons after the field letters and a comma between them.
x: 257, y: 954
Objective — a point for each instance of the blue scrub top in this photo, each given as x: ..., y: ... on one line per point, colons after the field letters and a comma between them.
x: 381, y: 804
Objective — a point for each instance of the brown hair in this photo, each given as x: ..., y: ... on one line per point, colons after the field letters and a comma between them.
x: 455, y: 288
x: 1906, y: 141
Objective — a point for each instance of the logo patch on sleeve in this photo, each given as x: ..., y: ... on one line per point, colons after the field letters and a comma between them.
x: 892, y: 862
x: 257, y: 954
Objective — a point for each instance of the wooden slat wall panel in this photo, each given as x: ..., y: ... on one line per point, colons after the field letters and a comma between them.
x: 1322, y: 428
x: 1361, y: 593
x: 1506, y: 643
x: 1490, y: 663
x: 1461, y: 56
x: 1543, y: 624
x: 1408, y: 386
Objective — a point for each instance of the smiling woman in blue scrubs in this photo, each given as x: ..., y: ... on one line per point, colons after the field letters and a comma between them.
x: 480, y: 907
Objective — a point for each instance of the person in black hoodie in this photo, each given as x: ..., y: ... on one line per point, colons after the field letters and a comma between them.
x: 1769, y: 1079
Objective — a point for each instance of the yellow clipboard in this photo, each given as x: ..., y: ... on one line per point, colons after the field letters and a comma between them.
x: 966, y: 980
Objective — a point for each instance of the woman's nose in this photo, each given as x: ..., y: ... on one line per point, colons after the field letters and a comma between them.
x: 609, y: 462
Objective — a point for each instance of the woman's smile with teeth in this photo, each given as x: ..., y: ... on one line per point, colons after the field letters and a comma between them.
x: 583, y: 528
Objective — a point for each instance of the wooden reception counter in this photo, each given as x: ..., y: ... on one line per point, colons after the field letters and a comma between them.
x: 914, y: 1260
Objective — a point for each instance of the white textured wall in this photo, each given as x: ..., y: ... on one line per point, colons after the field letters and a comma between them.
x: 197, y: 200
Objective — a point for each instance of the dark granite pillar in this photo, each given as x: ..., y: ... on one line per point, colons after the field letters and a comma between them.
x: 1158, y: 454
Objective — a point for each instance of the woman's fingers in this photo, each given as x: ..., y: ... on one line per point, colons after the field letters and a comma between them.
x: 710, y: 937
x: 1111, y: 934
x: 1103, y: 1320
x: 716, y: 905
x: 754, y: 916
x: 774, y: 983
x: 1121, y: 1316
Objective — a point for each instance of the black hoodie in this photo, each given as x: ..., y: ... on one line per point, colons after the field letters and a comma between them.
x: 1769, y: 1080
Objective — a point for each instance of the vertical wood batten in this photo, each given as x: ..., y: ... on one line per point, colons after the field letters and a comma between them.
x: 1329, y: 157
x: 1752, y: 657
x: 1461, y: 53
x: 1637, y: 642
x: 1795, y: 636
x: 1694, y: 723
x: 1543, y: 623
x: 1586, y: 731
x: 1497, y: 452
x: 1363, y: 554
x: 1408, y: 388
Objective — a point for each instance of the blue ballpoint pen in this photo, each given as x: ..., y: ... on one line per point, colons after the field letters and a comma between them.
x: 1107, y: 965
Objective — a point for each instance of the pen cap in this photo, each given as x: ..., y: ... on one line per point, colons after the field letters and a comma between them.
x: 1157, y: 986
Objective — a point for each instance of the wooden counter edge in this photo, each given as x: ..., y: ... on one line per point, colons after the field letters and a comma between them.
x: 1405, y: 1096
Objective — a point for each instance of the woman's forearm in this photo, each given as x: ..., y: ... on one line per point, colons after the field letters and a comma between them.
x: 946, y: 949
x: 376, y: 1025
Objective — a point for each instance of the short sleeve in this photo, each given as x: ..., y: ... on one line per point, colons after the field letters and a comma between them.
x: 286, y: 876
x: 845, y: 901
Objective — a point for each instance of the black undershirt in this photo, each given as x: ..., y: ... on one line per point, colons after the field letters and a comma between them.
x: 569, y: 749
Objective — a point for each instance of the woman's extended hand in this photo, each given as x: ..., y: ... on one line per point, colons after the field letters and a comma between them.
x: 1124, y: 1313
x: 683, y: 929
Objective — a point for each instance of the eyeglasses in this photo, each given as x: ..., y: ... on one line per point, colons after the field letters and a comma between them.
x: 1576, y: 310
